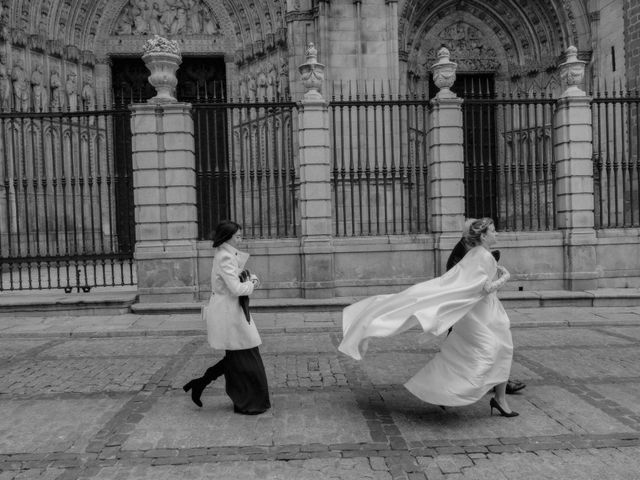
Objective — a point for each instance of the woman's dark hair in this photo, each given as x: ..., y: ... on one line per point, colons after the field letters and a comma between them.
x: 224, y: 231
x: 473, y: 234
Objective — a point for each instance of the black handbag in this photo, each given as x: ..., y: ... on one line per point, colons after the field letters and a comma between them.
x: 245, y: 276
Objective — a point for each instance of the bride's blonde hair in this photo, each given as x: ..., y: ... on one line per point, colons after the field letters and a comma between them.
x: 472, y: 233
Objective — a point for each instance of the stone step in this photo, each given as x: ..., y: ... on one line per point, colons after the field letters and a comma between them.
x: 118, y: 301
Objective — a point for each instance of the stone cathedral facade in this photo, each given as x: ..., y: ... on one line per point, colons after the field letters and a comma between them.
x: 70, y: 180
x: 66, y: 52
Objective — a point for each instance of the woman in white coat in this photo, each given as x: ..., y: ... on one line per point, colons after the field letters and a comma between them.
x: 477, y: 355
x: 230, y: 328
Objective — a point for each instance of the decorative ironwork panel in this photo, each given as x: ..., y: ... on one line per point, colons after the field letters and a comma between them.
x: 246, y: 167
x: 616, y: 159
x: 66, y: 200
x: 380, y: 162
x: 509, y: 157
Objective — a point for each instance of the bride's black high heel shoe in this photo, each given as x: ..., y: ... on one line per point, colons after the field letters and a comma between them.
x: 196, y: 386
x: 494, y: 404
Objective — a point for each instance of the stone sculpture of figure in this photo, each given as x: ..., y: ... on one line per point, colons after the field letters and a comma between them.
x: 252, y: 87
x: 195, y: 17
x: 262, y: 85
x: 55, y: 83
x: 37, y: 89
x: 139, y: 12
x: 71, y: 88
x: 4, y: 22
x: 20, y: 87
x: 179, y: 24
x: 88, y: 94
x: 125, y: 27
x: 168, y: 15
x: 154, y: 19
x: 210, y: 26
x: 271, y: 81
x: 5, y: 84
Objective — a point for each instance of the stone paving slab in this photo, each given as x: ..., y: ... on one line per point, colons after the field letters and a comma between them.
x: 296, y: 418
x: 570, y: 464
x: 11, y: 348
x: 118, y: 346
x: 544, y: 411
x: 596, y: 362
x: 625, y: 394
x: 33, y: 474
x: 632, y: 332
x: 553, y: 337
x: 77, y: 375
x: 50, y: 425
x: 313, y: 469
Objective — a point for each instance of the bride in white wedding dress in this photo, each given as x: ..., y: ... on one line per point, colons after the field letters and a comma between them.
x: 477, y: 355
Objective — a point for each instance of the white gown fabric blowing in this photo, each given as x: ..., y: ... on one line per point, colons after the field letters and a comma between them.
x: 474, y: 358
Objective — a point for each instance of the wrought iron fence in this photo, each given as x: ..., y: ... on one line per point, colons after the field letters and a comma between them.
x: 616, y: 158
x: 246, y: 166
x: 66, y: 200
x: 379, y: 161
x: 509, y: 159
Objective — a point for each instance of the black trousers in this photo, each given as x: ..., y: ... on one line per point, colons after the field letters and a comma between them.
x: 245, y: 380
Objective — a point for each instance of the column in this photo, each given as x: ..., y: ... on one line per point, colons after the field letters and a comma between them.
x: 574, y: 177
x: 446, y: 162
x: 164, y: 182
x: 315, y: 183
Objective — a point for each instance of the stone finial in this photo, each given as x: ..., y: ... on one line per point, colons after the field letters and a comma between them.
x: 444, y: 74
x: 311, y: 53
x: 572, y: 73
x: 162, y: 57
x: 312, y: 74
x: 161, y: 44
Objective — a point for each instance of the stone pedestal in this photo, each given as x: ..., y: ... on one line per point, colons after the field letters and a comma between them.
x: 574, y: 191
x: 165, y: 202
x: 315, y: 200
x: 446, y: 176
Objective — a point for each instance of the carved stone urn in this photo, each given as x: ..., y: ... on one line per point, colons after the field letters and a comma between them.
x: 444, y: 74
x: 162, y: 57
x: 312, y: 74
x: 572, y: 74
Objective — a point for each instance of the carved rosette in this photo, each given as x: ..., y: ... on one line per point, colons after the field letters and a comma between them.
x: 162, y: 57
x: 312, y: 74
x: 572, y: 74
x: 444, y: 74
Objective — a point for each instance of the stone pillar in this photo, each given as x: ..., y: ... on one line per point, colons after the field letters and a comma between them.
x: 446, y: 162
x: 574, y: 177
x: 164, y: 194
x: 315, y: 183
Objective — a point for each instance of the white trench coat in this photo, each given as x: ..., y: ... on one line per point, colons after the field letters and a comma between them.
x: 227, y: 326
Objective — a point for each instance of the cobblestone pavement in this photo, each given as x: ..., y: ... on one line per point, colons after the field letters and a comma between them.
x: 95, y: 402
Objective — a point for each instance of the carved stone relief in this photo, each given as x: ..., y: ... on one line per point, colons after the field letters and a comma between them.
x: 268, y: 81
x: 467, y: 48
x: 166, y: 17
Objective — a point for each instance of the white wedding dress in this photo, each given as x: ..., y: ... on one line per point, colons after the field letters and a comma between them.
x: 474, y: 358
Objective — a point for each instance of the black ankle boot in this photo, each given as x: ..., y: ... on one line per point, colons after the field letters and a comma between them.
x: 197, y: 386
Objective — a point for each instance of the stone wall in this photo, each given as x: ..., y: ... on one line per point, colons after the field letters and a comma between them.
x: 385, y: 264
x: 632, y: 42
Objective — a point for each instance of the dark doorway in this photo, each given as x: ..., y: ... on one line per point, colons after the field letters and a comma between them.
x: 202, y: 82
x: 480, y: 153
x: 199, y: 79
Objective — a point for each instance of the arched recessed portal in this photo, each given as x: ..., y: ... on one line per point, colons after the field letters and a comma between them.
x: 501, y: 48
